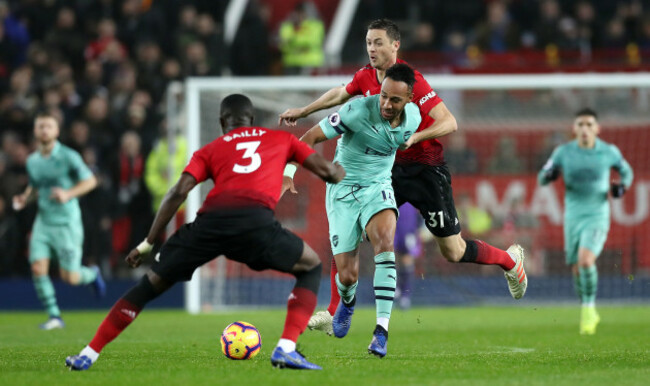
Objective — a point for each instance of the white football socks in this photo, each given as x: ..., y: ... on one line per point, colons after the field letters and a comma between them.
x: 287, y: 345
x: 383, y: 321
x: 90, y: 353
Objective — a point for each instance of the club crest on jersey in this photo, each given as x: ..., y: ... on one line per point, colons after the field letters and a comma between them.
x: 335, y: 240
x: 334, y: 119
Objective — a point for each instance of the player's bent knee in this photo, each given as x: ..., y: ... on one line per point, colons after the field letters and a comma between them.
x: 308, y: 260
x: 348, y: 277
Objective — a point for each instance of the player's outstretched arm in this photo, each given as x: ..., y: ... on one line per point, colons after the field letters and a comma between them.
x: 327, y: 171
x: 444, y: 123
x: 169, y: 206
x: 333, y: 97
x: 82, y: 187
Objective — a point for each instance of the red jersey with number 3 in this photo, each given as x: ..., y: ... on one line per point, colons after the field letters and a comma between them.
x: 246, y: 166
x: 429, y: 152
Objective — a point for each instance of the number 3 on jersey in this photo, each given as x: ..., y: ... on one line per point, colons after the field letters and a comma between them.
x: 256, y: 160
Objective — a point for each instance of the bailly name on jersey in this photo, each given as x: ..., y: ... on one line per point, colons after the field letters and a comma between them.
x: 244, y: 134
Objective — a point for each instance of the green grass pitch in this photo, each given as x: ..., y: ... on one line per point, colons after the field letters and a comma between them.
x: 523, y: 345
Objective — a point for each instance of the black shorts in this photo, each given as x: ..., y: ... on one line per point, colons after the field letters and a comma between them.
x: 248, y: 235
x: 428, y: 188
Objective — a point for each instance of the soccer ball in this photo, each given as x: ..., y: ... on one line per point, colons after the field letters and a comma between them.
x: 240, y: 340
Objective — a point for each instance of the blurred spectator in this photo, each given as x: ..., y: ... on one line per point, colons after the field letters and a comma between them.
x: 301, y: 40
x: 249, y: 51
x: 196, y: 61
x: 423, y: 38
x: 644, y: 35
x: 211, y: 35
x: 101, y: 129
x: 474, y: 221
x: 498, y: 33
x: 106, y: 47
x: 24, y: 96
x: 96, y: 215
x: 505, y: 159
x: 8, y: 235
x: 547, y: 29
x: 93, y: 81
x: 136, y: 121
x: 67, y: 38
x: 164, y: 166
x: 615, y: 36
x: 589, y: 27
x: 137, y: 24
x: 186, y: 31
x: 78, y: 137
x: 15, y: 32
x: 149, y: 64
x: 551, y: 141
x: 460, y: 158
x: 132, y: 212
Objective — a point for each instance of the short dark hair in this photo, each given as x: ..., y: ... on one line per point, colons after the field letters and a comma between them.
x: 587, y: 111
x: 392, y: 30
x: 401, y: 72
x: 236, y: 105
x: 44, y: 114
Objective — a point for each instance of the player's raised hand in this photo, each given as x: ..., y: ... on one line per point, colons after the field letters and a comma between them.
x: 287, y: 184
x: 290, y: 116
x: 19, y: 201
x: 59, y: 195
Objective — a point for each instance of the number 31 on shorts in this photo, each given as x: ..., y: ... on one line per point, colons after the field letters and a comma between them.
x: 433, y: 222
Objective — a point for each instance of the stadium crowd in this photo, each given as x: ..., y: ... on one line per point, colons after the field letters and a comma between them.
x: 102, y: 67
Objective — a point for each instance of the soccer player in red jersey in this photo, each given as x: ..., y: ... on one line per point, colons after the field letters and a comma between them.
x: 236, y: 220
x: 420, y: 175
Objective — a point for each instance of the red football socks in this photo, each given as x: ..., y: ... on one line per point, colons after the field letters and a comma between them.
x: 487, y: 254
x: 300, y: 306
x: 335, y: 298
x: 118, y: 318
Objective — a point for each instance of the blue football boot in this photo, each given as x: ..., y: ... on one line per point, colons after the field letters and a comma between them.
x: 78, y: 362
x: 291, y: 360
x: 379, y: 344
x: 342, y: 319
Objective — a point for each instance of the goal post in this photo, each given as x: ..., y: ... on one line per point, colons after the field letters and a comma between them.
x: 518, y: 116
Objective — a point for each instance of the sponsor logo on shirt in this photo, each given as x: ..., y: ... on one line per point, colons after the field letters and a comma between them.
x: 335, y: 240
x: 425, y: 98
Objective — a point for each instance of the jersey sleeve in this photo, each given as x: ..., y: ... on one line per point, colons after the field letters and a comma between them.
x: 554, y: 162
x: 339, y: 122
x: 30, y: 173
x: 198, y: 165
x: 78, y: 167
x: 622, y: 167
x: 354, y: 87
x: 424, y: 96
x: 299, y: 151
x: 413, y: 120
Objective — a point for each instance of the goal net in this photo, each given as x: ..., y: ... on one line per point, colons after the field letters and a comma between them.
x: 508, y: 126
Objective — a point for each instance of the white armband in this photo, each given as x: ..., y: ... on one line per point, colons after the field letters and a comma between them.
x: 290, y: 170
x: 144, y: 247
